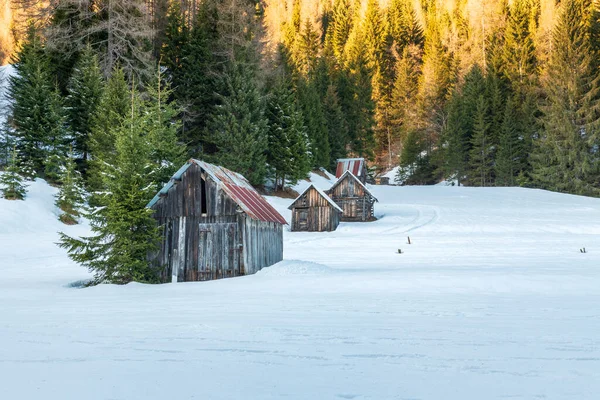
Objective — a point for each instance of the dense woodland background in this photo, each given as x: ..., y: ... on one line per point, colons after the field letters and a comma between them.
x: 111, y: 96
x: 489, y: 92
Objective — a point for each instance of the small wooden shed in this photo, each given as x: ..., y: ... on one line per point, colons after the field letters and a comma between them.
x: 357, y: 166
x: 314, y: 211
x: 214, y: 225
x: 356, y: 201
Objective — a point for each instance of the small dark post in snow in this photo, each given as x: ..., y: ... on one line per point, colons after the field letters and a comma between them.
x: 582, y: 250
x: 399, y: 251
x: 408, y: 239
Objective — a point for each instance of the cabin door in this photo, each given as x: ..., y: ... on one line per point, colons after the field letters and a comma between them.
x: 218, y: 255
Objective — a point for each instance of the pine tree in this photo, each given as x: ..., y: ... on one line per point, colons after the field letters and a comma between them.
x: 460, y: 126
x: 287, y: 153
x: 314, y: 119
x: 71, y: 197
x: 337, y: 127
x: 511, y: 156
x: 193, y: 66
x: 110, y: 112
x: 410, y: 159
x: 85, y: 91
x: 238, y: 128
x: 307, y: 49
x: 519, y: 60
x: 124, y: 232
x: 166, y: 153
x: 357, y: 102
x: 481, y: 147
x: 12, y: 179
x: 404, y: 27
x: 403, y: 110
x: 37, y: 114
x: 566, y: 159
x: 339, y: 28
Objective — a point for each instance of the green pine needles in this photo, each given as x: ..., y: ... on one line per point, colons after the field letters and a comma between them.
x: 12, y: 181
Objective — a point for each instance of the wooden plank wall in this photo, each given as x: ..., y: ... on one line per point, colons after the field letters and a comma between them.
x: 354, y: 200
x: 321, y: 215
x: 263, y: 244
x: 200, y: 246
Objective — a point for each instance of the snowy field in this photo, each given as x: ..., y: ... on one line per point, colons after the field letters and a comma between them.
x: 492, y: 300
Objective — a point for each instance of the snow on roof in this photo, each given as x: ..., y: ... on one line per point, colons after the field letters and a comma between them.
x: 322, y: 193
x: 355, y: 165
x: 348, y: 173
x: 236, y: 187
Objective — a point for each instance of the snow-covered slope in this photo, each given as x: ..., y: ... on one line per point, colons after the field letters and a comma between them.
x: 493, y: 299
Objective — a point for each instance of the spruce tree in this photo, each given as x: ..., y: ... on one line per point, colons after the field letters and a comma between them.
x: 340, y: 27
x: 410, y: 160
x: 238, y: 127
x: 404, y: 27
x: 37, y: 113
x: 356, y: 99
x: 287, y: 153
x: 84, y: 94
x: 337, y: 127
x: 12, y: 179
x: 480, y: 160
x: 193, y: 66
x: 314, y: 119
x: 518, y: 56
x: 110, y: 112
x: 124, y: 232
x: 459, y: 130
x: 307, y: 44
x: 511, y: 155
x: 167, y: 153
x: 566, y: 158
x: 70, y: 199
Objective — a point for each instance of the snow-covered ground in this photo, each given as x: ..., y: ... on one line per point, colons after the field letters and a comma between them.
x: 492, y: 300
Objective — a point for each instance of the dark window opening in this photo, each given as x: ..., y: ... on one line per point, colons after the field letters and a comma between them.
x: 203, y: 208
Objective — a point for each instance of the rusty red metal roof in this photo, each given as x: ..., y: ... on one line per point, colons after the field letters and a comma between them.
x: 242, y: 192
x: 354, y: 165
x: 253, y: 204
x: 236, y: 187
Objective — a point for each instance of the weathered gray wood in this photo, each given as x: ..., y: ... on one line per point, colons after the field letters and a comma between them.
x: 320, y: 214
x: 220, y: 242
x: 357, y: 203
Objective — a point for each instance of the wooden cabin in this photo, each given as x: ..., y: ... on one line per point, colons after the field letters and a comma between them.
x: 214, y: 225
x: 357, y: 166
x: 353, y: 197
x: 314, y: 211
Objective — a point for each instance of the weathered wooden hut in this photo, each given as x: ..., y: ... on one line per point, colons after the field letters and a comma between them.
x: 314, y: 211
x: 357, y: 166
x: 353, y: 197
x: 214, y: 225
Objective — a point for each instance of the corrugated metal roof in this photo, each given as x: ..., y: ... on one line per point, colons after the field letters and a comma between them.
x: 236, y: 186
x: 354, y: 165
x: 322, y: 193
x: 348, y: 173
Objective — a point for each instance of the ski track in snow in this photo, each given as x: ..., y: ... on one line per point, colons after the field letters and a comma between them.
x: 492, y: 300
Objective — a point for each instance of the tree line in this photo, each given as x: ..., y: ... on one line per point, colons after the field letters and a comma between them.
x: 112, y: 96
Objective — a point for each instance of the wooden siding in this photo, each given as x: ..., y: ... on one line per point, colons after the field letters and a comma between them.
x: 313, y: 213
x: 220, y: 242
x: 263, y: 244
x: 357, y: 204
